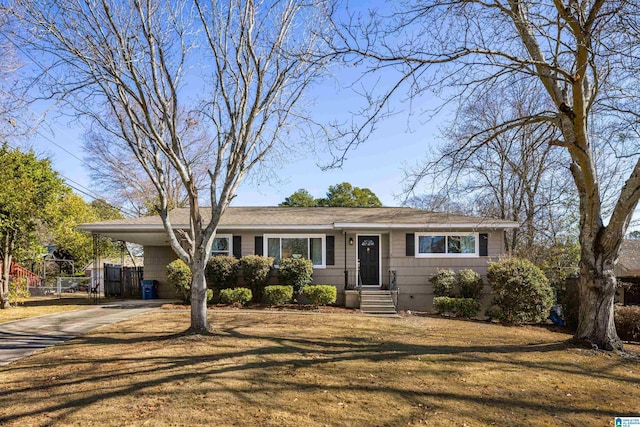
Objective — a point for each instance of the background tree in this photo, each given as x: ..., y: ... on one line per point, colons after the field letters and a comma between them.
x: 346, y: 195
x: 339, y: 195
x: 513, y: 175
x: 301, y: 197
x: 74, y: 244
x: 124, y: 65
x: 580, y: 57
x: 116, y: 172
x: 29, y: 192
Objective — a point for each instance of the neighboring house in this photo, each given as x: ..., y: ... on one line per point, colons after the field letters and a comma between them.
x: 628, y: 271
x: 377, y: 246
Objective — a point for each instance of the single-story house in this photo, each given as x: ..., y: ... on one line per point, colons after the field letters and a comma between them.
x: 376, y: 247
x: 628, y: 271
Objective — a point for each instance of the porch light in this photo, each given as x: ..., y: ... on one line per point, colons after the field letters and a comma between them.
x: 351, y: 241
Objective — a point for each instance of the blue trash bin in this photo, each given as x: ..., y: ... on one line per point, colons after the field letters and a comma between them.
x: 149, y: 289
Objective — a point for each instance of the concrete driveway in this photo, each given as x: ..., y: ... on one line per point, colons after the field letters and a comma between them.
x: 20, y: 338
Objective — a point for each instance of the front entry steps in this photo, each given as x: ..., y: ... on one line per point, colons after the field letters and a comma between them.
x: 377, y: 302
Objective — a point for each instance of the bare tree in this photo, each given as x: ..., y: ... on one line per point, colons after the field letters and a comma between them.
x: 580, y: 56
x: 247, y: 70
x: 12, y: 96
x: 117, y: 172
x: 514, y: 174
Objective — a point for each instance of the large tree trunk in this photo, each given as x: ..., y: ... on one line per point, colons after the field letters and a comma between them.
x: 199, y: 321
x: 597, y: 288
x: 6, y: 270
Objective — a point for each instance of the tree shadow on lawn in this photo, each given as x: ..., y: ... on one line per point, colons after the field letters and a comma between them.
x: 140, y: 373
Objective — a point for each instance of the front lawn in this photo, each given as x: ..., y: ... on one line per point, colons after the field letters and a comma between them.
x: 39, y: 306
x: 267, y: 369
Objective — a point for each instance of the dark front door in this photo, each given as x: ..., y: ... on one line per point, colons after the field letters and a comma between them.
x: 369, y: 257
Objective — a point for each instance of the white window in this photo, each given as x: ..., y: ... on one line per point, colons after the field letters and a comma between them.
x: 222, y: 245
x: 307, y: 246
x: 446, y: 245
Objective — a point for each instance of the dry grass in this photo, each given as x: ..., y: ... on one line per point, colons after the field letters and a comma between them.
x: 39, y: 306
x: 312, y: 370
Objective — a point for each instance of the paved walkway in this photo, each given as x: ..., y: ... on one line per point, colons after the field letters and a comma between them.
x: 20, y: 338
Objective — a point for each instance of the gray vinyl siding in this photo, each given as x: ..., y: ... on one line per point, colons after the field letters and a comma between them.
x: 412, y: 273
x: 156, y: 259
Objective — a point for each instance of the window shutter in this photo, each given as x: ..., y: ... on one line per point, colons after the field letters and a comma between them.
x: 258, y: 249
x: 331, y: 242
x: 237, y: 246
x: 411, y: 244
x: 484, y: 244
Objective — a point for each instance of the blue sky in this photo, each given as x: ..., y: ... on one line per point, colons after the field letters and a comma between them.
x: 378, y: 164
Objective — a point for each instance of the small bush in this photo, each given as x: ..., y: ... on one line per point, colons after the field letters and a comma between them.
x: 18, y: 291
x: 521, y: 290
x: 277, y: 295
x: 222, y: 272
x: 494, y: 312
x: 627, y: 320
x: 256, y: 271
x: 179, y: 276
x: 235, y: 296
x: 443, y: 282
x: 460, y: 307
x: 321, y: 294
x: 470, y: 284
x: 295, y: 272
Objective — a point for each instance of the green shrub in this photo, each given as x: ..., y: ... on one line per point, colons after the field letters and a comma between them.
x: 222, y: 272
x: 321, y: 294
x: 235, y: 296
x: 256, y: 271
x: 18, y: 291
x: 627, y: 320
x: 494, y: 312
x: 521, y: 290
x: 277, y: 295
x: 295, y: 272
x: 470, y: 284
x: 179, y: 276
x: 460, y: 307
x: 443, y: 282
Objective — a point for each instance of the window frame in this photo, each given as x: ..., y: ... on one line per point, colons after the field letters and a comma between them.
x: 446, y: 254
x: 229, y: 237
x: 322, y: 237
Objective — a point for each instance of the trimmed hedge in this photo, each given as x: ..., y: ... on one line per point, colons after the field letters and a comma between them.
x: 295, y: 272
x: 221, y: 272
x: 627, y: 320
x: 235, y: 296
x: 521, y: 291
x: 470, y: 284
x: 179, y: 276
x: 321, y: 294
x: 460, y: 307
x: 277, y: 295
x: 443, y: 282
x: 256, y: 271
